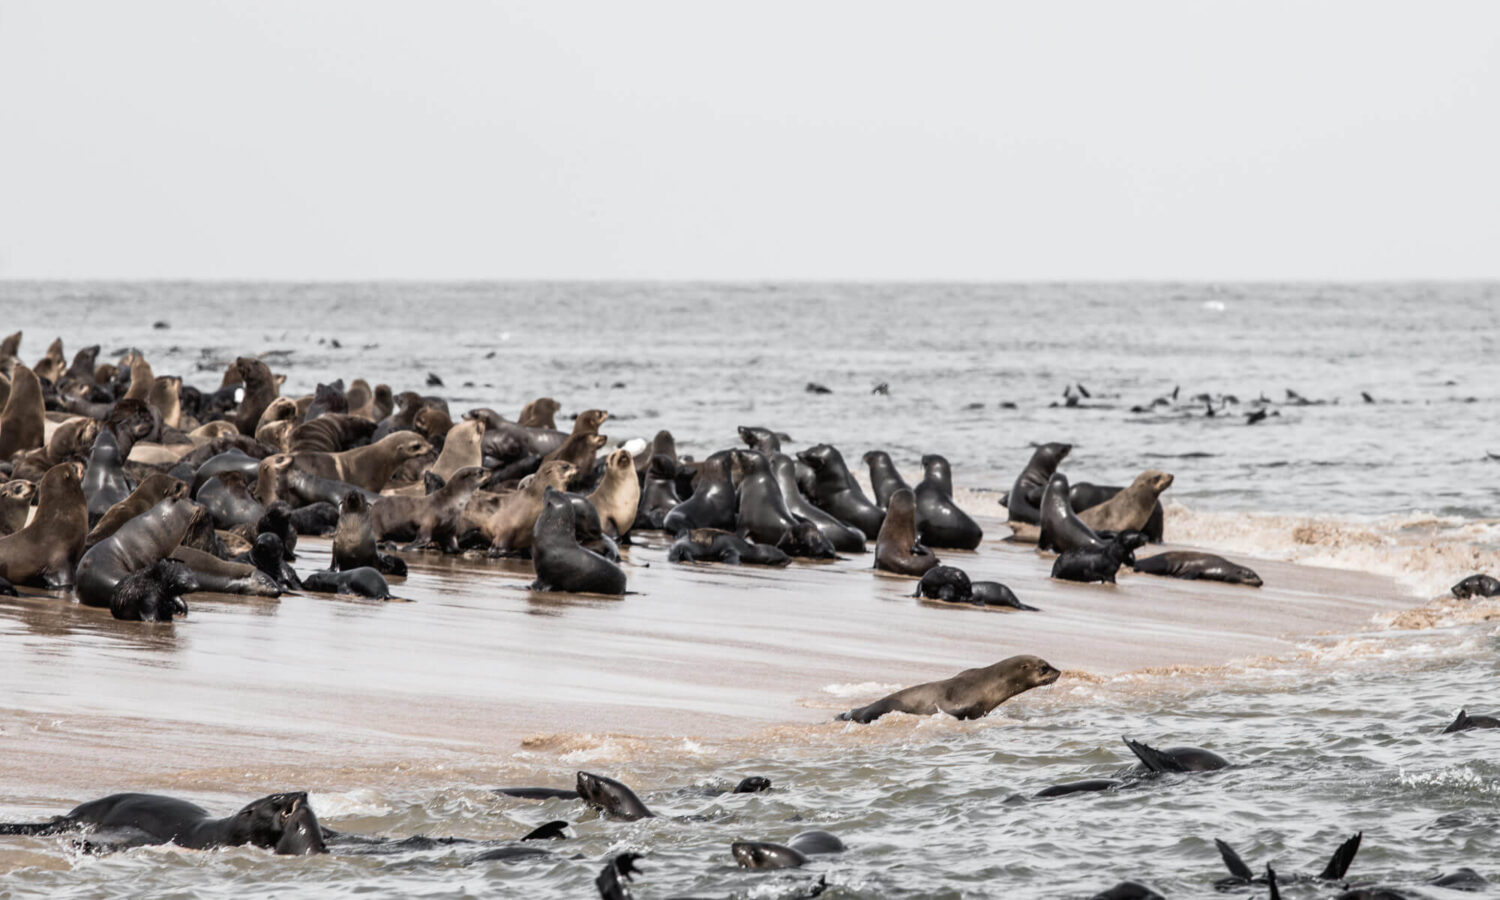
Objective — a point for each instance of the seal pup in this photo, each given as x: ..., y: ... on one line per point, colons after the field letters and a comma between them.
x: 940, y: 523
x: 362, y: 581
x: 23, y: 421
x: 432, y: 519
x: 1130, y: 509
x: 151, y: 491
x: 154, y: 594
x: 46, y: 550
x: 884, y: 478
x: 947, y: 583
x: 281, y: 822
x: 268, y: 555
x: 1085, y: 564
x: 1023, y: 504
x: 1061, y: 529
x: 618, y: 496
x: 717, y: 545
x: 970, y: 694
x: 1476, y: 586
x: 137, y: 545
x: 16, y: 497
x: 793, y: 854
x: 843, y: 537
x: 713, y: 502
x: 836, y: 491
x: 1465, y: 722
x: 1192, y: 565
x: 896, y: 546
x: 354, y: 541
x: 561, y: 564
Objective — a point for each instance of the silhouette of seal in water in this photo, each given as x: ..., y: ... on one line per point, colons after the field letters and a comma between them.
x: 281, y: 822
x: 1241, y: 874
x: 1465, y: 722
x: 1191, y: 565
x: 1128, y: 890
x: 1175, y: 759
x: 970, y: 694
x: 752, y: 784
x: 611, y: 797
x: 791, y: 855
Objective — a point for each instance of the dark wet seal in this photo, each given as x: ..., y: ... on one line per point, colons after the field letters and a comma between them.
x: 1128, y: 890
x: 791, y: 855
x: 611, y: 797
x: 1241, y: 874
x: 1476, y: 586
x: 1465, y: 722
x: 1197, y: 566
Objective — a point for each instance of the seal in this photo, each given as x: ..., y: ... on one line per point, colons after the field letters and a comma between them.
x: 793, y: 854
x: 993, y: 593
x: 330, y: 433
x: 1130, y: 509
x: 658, y: 493
x: 260, y: 389
x: 221, y: 576
x: 320, y: 518
x: 23, y: 421
x: 561, y: 564
x: 1061, y: 529
x: 1465, y: 722
x: 231, y: 460
x: 618, y: 496
x: 281, y: 822
x: 661, y: 445
x: 137, y: 545
x: 1338, y: 866
x: 1091, y: 785
x: 1128, y: 890
x: 154, y: 594
x: 461, y: 449
x: 896, y: 547
x: 842, y: 537
x: 354, y: 543
x: 148, y: 493
x: 510, y: 527
x: 362, y: 581
x: 1192, y: 565
x: 45, y: 551
x: 611, y: 797
x: 940, y: 523
x: 278, y: 521
x: 947, y: 583
x: 228, y: 500
x: 1174, y: 759
x: 1084, y: 496
x: 763, y: 516
x: 16, y: 497
x: 1024, y: 501
x: 836, y: 491
x: 104, y: 481
x: 1476, y: 586
x: 883, y: 477
x: 166, y: 398
x: 539, y: 412
x: 1086, y: 564
x: 581, y: 450
x: 717, y: 545
x: 367, y: 467
x: 326, y: 399
x: 588, y: 530
x: 269, y: 556
x: 970, y: 694
x: 713, y: 502
x: 429, y: 520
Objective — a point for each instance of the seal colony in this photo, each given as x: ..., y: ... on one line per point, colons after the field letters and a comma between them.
x: 148, y: 489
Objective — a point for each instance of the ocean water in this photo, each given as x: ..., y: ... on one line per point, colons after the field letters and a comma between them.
x: 1338, y: 737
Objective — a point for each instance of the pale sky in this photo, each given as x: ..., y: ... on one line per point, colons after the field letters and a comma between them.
x: 864, y: 140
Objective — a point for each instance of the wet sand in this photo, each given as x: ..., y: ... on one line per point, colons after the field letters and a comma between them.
x: 334, y: 694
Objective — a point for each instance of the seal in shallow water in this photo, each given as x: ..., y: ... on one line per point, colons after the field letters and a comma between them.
x: 1192, y: 565
x: 137, y: 545
x: 896, y: 546
x: 970, y: 694
x: 1130, y: 509
x: 45, y: 551
x: 717, y: 545
x: 154, y: 594
x: 363, y: 581
x: 791, y: 855
x: 611, y: 798
x: 563, y: 565
x: 281, y: 822
x: 1464, y: 722
x: 1024, y: 500
x: 940, y: 523
x: 1477, y: 586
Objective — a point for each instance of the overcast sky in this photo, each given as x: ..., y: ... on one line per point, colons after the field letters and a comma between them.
x: 867, y: 140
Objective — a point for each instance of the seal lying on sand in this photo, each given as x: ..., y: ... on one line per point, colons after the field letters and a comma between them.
x: 970, y: 694
x: 952, y: 585
x: 715, y: 545
x: 791, y: 855
x: 281, y: 822
x: 1191, y: 565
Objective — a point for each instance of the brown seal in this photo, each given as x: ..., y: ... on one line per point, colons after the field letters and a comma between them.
x: 142, y: 379
x: 210, y: 430
x: 579, y: 451
x: 970, y: 694
x: 261, y: 388
x: 358, y: 395
x: 147, y: 494
x: 509, y: 528
x: 281, y: 409
x: 618, y: 496
x: 23, y: 423
x: 166, y: 399
x: 366, y: 467
x: 896, y: 547
x: 71, y: 440
x: 539, y: 413
x: 432, y: 519
x: 10, y: 349
x: 47, y: 550
x: 54, y: 364
x: 15, y: 504
x: 1130, y: 509
x: 462, y: 448
x: 277, y: 434
x: 331, y: 433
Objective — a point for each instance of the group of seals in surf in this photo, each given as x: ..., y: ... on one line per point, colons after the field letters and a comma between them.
x: 132, y: 490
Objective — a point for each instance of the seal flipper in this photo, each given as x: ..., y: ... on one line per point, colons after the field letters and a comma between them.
x: 1154, y: 759
x: 1271, y: 882
x: 55, y: 826
x: 1342, y: 857
x: 1459, y: 724
x: 616, y: 873
x: 552, y: 831
x: 1233, y: 863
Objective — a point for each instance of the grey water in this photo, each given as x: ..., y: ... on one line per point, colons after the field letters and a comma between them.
x: 1343, y: 739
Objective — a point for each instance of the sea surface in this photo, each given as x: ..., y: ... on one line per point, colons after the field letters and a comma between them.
x: 1384, y: 465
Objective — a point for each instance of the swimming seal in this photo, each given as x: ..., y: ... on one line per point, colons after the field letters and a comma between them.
x: 1024, y: 501
x: 46, y: 551
x: 618, y: 496
x: 791, y: 855
x: 970, y: 694
x: 940, y: 523
x: 1128, y: 890
x: 1476, y: 586
x: 1130, y: 509
x: 836, y: 491
x: 1061, y: 529
x: 1464, y: 722
x: 431, y: 520
x: 611, y: 797
x: 1193, y: 565
x: 23, y: 421
x: 883, y: 477
x: 362, y: 581
x: 842, y: 537
x: 896, y: 546
x: 281, y: 822
x: 1338, y: 866
x: 563, y: 565
x: 713, y: 503
x: 154, y: 594
x: 137, y: 545
x: 947, y: 583
x: 717, y: 545
x: 1175, y: 759
x: 1088, y: 786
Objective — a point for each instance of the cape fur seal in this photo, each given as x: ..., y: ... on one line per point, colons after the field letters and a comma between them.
x: 104, y: 481
x: 717, y: 545
x: 713, y: 503
x: 841, y: 536
x: 940, y: 523
x: 461, y: 449
x: 970, y: 694
x: 1193, y: 565
x: 896, y: 546
x: 658, y: 492
x: 561, y: 564
x: 1061, y: 529
x: 611, y: 797
x: 154, y: 594
x: 1130, y: 509
x: 791, y: 855
x: 1023, y: 503
x: 367, y: 467
x: 362, y: 581
x: 430, y: 520
x: 618, y: 496
x: 23, y: 421
x: 1085, y: 564
x: 46, y: 551
x: 511, y: 527
x: 952, y: 585
x: 137, y: 545
x: 260, y: 388
x: 836, y: 491
x: 1476, y: 586
x: 15, y: 505
x: 884, y: 478
x: 1465, y: 722
x: 1084, y: 495
x: 151, y: 491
